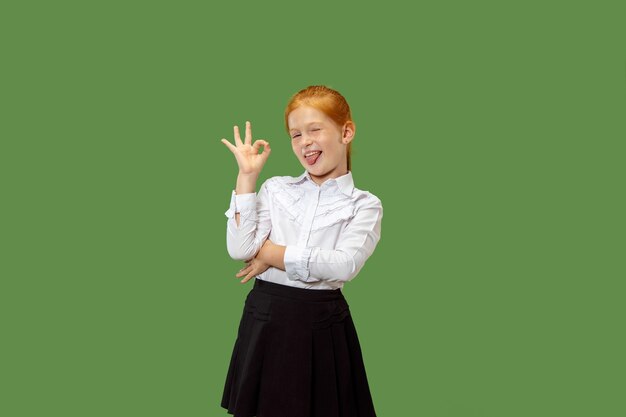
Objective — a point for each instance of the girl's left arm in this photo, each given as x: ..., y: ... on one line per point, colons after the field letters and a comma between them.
x: 272, y: 254
x: 309, y: 264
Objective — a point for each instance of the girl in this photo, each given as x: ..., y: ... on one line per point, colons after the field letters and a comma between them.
x: 297, y: 353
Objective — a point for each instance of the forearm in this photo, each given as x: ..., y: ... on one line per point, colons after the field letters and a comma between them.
x: 331, y: 265
x: 272, y: 254
x: 311, y: 264
x: 245, y: 184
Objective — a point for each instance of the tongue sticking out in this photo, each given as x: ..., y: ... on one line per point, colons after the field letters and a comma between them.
x: 313, y: 158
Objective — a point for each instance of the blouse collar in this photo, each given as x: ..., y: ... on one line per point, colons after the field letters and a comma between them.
x: 345, y: 183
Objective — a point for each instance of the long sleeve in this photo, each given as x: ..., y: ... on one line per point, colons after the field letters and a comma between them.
x: 245, y: 241
x: 355, y: 245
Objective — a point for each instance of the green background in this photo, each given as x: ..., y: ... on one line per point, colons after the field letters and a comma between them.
x: 492, y: 132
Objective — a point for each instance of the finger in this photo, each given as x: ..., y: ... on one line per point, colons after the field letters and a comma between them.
x: 246, y: 266
x: 266, y: 152
x: 248, y: 277
x: 258, y: 143
x: 229, y: 145
x: 248, y: 133
x: 237, y: 137
x: 242, y: 271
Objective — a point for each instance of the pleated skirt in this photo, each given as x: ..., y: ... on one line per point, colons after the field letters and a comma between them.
x: 297, y: 354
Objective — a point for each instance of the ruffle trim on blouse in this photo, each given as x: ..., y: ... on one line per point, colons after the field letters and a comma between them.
x: 339, y: 214
x: 332, y: 209
x: 287, y: 200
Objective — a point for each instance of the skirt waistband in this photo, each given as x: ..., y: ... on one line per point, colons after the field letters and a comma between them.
x: 295, y: 292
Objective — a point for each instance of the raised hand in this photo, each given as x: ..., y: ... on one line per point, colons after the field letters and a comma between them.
x: 247, y: 154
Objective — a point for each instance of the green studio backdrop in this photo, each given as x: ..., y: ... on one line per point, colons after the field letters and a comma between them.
x: 492, y: 132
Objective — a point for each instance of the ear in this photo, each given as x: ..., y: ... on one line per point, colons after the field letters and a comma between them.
x: 349, y: 129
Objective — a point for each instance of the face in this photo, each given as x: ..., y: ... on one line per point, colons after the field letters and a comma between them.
x: 311, y: 130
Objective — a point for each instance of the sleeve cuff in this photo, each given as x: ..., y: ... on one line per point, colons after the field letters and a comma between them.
x: 240, y: 203
x: 245, y: 202
x: 297, y: 263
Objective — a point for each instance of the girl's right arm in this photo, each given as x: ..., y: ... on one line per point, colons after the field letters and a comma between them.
x: 244, y: 238
x: 245, y: 184
x: 248, y: 216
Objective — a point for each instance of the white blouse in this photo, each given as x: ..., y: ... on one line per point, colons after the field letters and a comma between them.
x: 329, y: 231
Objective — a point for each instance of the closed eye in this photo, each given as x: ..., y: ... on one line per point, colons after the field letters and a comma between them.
x: 296, y: 135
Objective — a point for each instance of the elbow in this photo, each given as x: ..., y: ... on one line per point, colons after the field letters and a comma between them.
x: 345, y: 271
x: 238, y: 253
x: 241, y: 248
x: 351, y: 271
x: 236, y: 256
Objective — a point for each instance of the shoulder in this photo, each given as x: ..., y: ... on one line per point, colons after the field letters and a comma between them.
x: 277, y: 182
x: 366, y: 199
x: 282, y: 179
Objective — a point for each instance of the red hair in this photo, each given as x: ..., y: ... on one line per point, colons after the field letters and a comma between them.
x: 328, y: 101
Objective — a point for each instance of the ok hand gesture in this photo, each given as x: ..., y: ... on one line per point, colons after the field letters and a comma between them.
x: 247, y: 154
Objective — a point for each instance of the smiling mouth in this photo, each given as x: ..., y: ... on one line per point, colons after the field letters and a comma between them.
x: 311, y: 158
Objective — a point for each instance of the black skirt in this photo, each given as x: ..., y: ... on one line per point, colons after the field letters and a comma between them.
x: 297, y: 354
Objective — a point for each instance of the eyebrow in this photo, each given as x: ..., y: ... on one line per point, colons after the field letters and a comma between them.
x: 308, y: 124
